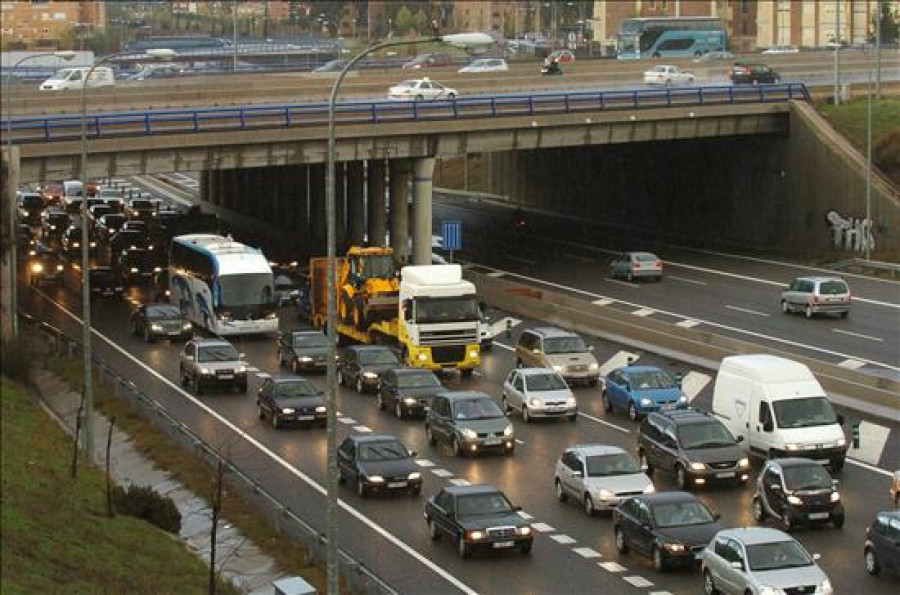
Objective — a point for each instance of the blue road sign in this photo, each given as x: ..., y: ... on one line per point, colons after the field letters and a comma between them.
x: 453, y: 235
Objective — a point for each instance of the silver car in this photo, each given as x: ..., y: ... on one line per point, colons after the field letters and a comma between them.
x: 207, y: 363
x: 563, y: 351
x: 816, y: 295
x: 599, y: 477
x: 538, y: 392
x: 636, y: 265
x: 760, y: 561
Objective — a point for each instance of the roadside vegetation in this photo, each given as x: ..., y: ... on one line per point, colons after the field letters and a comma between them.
x: 851, y: 120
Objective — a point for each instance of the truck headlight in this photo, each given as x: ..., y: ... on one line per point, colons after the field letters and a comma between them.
x: 287, y: 411
x: 468, y: 434
x: 414, y: 476
x: 422, y: 357
x: 473, y: 354
x: 792, y: 499
x: 697, y: 466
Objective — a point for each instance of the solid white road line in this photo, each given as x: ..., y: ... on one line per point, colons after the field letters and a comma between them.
x: 861, y: 336
x: 406, y: 548
x: 747, y: 311
x: 617, y: 361
x: 693, y: 383
x: 644, y: 312
x: 542, y: 527
x: 689, y: 323
x: 347, y: 420
x: 686, y: 280
x: 562, y: 539
x: 604, y: 422
x: 586, y: 552
x: 620, y: 282
x: 496, y: 274
x: 872, y: 438
x: 504, y: 346
x: 878, y: 470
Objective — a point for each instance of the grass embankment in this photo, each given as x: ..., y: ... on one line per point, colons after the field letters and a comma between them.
x: 197, y: 476
x: 851, y: 120
x: 55, y: 533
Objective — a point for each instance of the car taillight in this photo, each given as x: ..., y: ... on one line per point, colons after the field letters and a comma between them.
x: 658, y: 264
x: 636, y: 265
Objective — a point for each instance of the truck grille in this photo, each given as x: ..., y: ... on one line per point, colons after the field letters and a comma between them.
x: 448, y: 353
x: 442, y: 337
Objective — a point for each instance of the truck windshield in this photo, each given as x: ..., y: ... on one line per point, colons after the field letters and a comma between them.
x: 804, y: 413
x: 451, y: 309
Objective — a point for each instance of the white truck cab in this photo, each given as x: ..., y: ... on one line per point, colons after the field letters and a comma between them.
x: 73, y: 78
x: 779, y: 409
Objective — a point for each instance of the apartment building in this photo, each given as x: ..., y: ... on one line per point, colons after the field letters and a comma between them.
x: 43, y: 23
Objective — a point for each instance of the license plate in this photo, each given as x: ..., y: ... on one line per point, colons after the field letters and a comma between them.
x: 668, y: 407
x: 225, y: 376
x: 306, y: 417
x: 397, y: 484
x: 491, y: 441
x: 725, y: 475
x: 502, y: 544
x: 816, y: 516
x: 174, y: 333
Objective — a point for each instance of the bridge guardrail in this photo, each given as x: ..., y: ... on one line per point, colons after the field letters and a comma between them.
x: 34, y: 129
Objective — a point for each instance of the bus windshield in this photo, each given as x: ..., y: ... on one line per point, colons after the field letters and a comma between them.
x: 245, y: 289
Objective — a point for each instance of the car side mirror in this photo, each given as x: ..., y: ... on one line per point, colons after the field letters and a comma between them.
x: 737, y: 565
x: 739, y: 439
x: 590, y: 347
x: 817, y: 556
x: 834, y: 483
x: 413, y: 453
x: 841, y: 419
x: 768, y: 427
x: 717, y: 516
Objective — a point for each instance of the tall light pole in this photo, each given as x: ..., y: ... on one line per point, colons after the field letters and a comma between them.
x: 13, y: 247
x: 837, y: 51
x: 878, y: 50
x: 459, y: 40
x: 88, y: 405
x: 868, y: 226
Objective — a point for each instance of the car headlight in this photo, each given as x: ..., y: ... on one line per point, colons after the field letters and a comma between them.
x: 606, y: 494
x: 52, y: 227
x: 646, y: 402
x: 571, y: 402
x: 697, y: 466
x: 526, y: 530
x: 744, y: 463
x: 156, y: 327
x: 60, y: 267
x: 535, y: 402
x: 187, y: 326
x: 157, y: 269
x: 674, y: 547
x: 792, y: 499
x: 409, y: 401
x: 304, y: 359
x: 320, y: 409
x: 557, y: 368
x: 468, y: 434
x: 476, y: 535
x: 769, y: 590
x: 134, y: 269
x: 682, y: 399
x: 414, y: 476
x: 37, y: 267
x: 473, y: 354
x: 835, y: 496
x: 840, y: 442
x: 376, y: 479
x: 793, y: 446
x: 508, y: 430
x: 242, y: 369
x: 650, y: 489
x: 287, y: 411
x: 826, y: 587
x: 594, y: 366
x: 370, y: 375
x: 205, y: 371
x: 93, y: 244
x: 75, y: 244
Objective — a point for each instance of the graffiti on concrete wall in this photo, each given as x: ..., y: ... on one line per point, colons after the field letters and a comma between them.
x: 849, y: 233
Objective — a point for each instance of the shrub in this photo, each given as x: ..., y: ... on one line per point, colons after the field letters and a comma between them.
x: 144, y: 503
x: 886, y: 154
x: 16, y: 359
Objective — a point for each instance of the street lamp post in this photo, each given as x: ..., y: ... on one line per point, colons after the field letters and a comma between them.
x: 13, y: 247
x: 868, y: 226
x: 462, y: 41
x: 88, y: 405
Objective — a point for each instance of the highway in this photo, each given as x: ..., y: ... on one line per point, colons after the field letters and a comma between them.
x: 572, y: 554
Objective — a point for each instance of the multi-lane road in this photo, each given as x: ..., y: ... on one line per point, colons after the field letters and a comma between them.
x: 573, y: 553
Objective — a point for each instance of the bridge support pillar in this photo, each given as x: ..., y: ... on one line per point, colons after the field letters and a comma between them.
x: 400, y: 175
x: 355, y: 203
x: 228, y: 188
x: 317, y: 209
x: 340, y: 206
x: 377, y: 214
x: 423, y: 171
x: 9, y: 327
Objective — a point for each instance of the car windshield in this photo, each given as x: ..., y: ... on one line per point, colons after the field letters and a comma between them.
x: 645, y: 257
x: 650, y: 380
x: 217, y: 353
x: 778, y: 555
x: 109, y: 193
x: 113, y: 220
x: 539, y: 382
x: 377, y: 356
x: 478, y: 408
x: 678, y: 514
x: 141, y: 204
x: 383, y: 451
x: 457, y: 309
x: 299, y: 387
x: 473, y: 504
x: 806, y: 477
x: 833, y: 288
x: 564, y: 345
x: 245, y: 289
x: 710, y: 434
x: 804, y: 413
x: 32, y: 201
x: 310, y: 340
x: 619, y: 463
x: 163, y: 311
x: 407, y: 84
x: 419, y: 380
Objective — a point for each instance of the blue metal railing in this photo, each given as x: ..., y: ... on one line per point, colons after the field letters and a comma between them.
x: 36, y: 129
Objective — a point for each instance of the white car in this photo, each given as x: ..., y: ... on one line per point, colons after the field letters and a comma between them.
x: 423, y: 89
x: 538, y: 392
x: 668, y: 76
x: 486, y: 65
x: 598, y: 477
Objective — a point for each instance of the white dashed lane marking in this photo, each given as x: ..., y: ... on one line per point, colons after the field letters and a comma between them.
x: 563, y: 539
x: 604, y: 302
x: 542, y: 527
x: 424, y: 463
x: 460, y: 482
x: 611, y: 566
x: 253, y: 369
x: 660, y: 593
x: 644, y: 312
x: 362, y: 429
x: 519, y: 441
x: 586, y: 552
x: 859, y: 335
x: 347, y: 420
x: 501, y: 325
x: 687, y: 323
x: 442, y: 472
x: 637, y: 581
x: 496, y: 274
x: 263, y: 375
x: 872, y: 438
x: 685, y: 280
x: 617, y: 361
x: 625, y: 283
x: 693, y: 383
x: 852, y: 364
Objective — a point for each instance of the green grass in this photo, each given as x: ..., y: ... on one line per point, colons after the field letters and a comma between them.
x: 851, y: 119
x: 55, y: 533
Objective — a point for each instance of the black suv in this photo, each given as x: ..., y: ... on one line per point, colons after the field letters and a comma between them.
x: 694, y: 446
x: 882, y: 549
x: 797, y: 491
x: 752, y: 74
x: 362, y: 366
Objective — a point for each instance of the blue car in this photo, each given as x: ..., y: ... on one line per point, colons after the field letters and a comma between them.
x: 640, y: 390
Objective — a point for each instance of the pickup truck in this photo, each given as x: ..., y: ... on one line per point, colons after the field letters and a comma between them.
x: 668, y: 76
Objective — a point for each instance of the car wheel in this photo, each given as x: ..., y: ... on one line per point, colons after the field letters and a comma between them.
x: 808, y: 312
x: 451, y: 96
x: 433, y: 531
x: 414, y: 492
x: 148, y: 336
x: 398, y: 409
x: 787, y: 522
x: 681, y: 477
x: 837, y: 464
x: 644, y: 463
x: 525, y: 548
x: 420, y: 97
x: 359, y: 385
x: 295, y: 367
x: 560, y: 492
x: 607, y: 404
x: 260, y: 412
x: 454, y: 446
x: 526, y: 417
x: 274, y: 421
x: 659, y: 562
x: 785, y: 307
x: 198, y: 388
x: 845, y: 314
x: 340, y: 378
x: 872, y: 566
x: 838, y: 521
x: 134, y: 326
x: 432, y: 440
x: 632, y: 412
x: 360, y: 487
x: 504, y: 404
x: 709, y: 587
x: 621, y: 544
x: 759, y: 511
x: 379, y: 401
x: 589, y: 505
x: 462, y: 547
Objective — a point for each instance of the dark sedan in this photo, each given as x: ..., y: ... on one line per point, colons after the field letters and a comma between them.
x: 285, y: 399
x: 303, y: 351
x: 378, y: 463
x: 408, y: 391
x: 362, y: 365
x: 477, y: 517
x: 54, y: 221
x: 44, y: 266
x: 103, y: 280
x: 672, y: 528
x: 124, y: 240
x: 109, y: 225
x: 31, y: 205
x: 157, y: 320
x: 137, y: 265
x: 70, y: 243
x: 140, y: 208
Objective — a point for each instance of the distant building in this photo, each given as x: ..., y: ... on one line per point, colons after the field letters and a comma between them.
x: 44, y: 24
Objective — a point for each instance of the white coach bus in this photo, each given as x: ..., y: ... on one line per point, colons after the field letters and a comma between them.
x: 222, y: 285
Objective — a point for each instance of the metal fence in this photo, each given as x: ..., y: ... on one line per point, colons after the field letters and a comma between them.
x: 279, y: 514
x: 33, y: 129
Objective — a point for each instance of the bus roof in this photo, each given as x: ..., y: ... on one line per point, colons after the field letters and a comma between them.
x: 232, y: 257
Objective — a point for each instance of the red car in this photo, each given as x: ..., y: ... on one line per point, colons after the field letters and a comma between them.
x: 563, y: 56
x: 428, y: 61
x: 52, y: 193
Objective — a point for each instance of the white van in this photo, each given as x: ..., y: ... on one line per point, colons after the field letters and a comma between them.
x: 72, y: 195
x: 73, y: 78
x: 779, y: 409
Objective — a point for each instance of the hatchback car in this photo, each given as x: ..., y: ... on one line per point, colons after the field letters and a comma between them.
x: 640, y: 390
x: 817, y: 295
x: 672, y: 528
x: 882, y: 549
x: 477, y: 517
x: 212, y: 362
x: 378, y: 463
x: 752, y: 74
x: 636, y: 265
x: 303, y: 351
x: 693, y: 445
x: 759, y: 560
x: 599, y: 477
x: 421, y: 90
x: 470, y: 422
x: 362, y: 365
x: 797, y: 492
x: 44, y: 266
x: 408, y: 392
x: 538, y: 392
x: 485, y: 65
x: 563, y: 351
x: 287, y: 399
x: 160, y: 320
